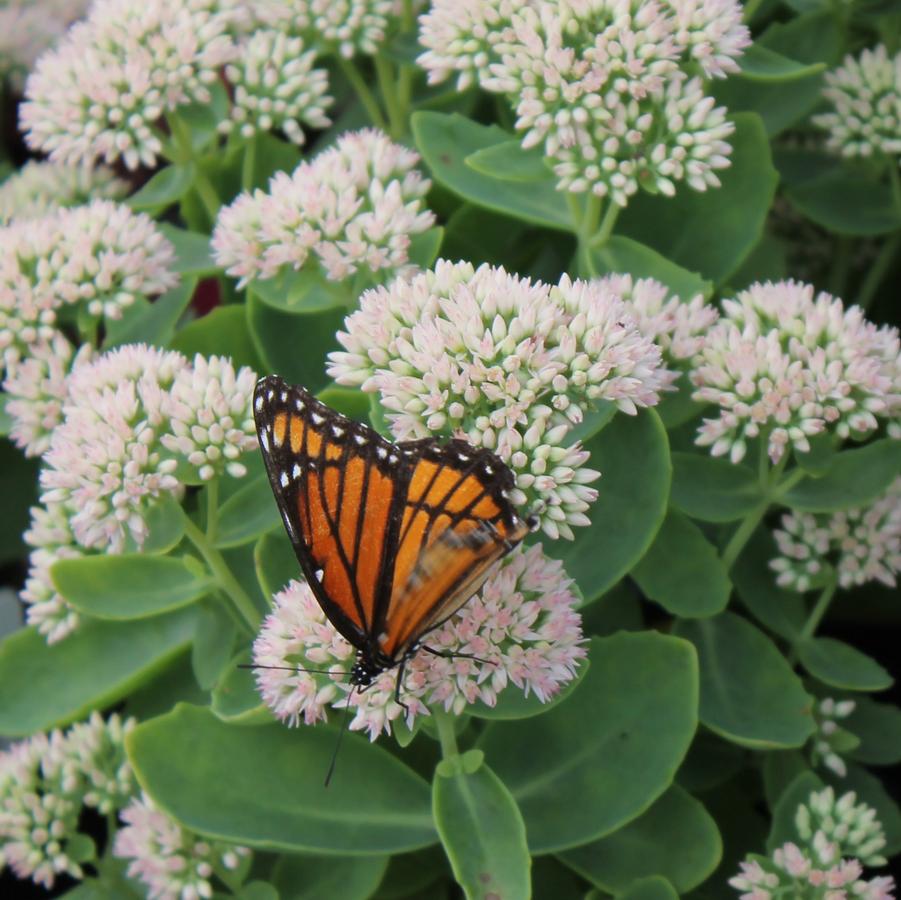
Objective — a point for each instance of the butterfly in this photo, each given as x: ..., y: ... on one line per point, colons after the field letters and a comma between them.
x: 392, y: 538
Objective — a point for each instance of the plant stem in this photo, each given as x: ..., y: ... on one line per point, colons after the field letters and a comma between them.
x: 447, y: 737
x: 591, y: 217
x: 248, y: 164
x: 838, y: 271
x: 606, y: 229
x: 895, y: 179
x: 818, y: 611
x: 212, y: 509
x: 743, y: 533
x: 367, y: 98
x: 387, y: 76
x: 878, y: 269
x: 184, y: 153
x: 223, y: 575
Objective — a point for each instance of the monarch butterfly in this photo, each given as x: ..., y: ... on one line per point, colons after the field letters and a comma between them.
x: 392, y: 538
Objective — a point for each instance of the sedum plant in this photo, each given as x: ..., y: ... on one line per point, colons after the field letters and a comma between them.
x: 643, y: 252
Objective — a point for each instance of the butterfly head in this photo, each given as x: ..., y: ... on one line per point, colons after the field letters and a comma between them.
x: 364, y: 670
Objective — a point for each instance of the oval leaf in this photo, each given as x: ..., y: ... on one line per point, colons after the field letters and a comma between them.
x: 301, y: 292
x: 130, y: 586
x: 276, y: 799
x: 446, y: 141
x: 632, y: 452
x: 682, y: 570
x: 676, y: 838
x: 855, y: 478
x: 759, y: 63
x: 482, y: 832
x: 301, y: 877
x: 222, y: 332
x: 151, y: 323
x: 592, y: 764
x: 250, y: 512
x: 166, y: 187
x: 878, y: 725
x: 841, y: 665
x: 749, y: 693
x: 44, y: 686
x: 509, y: 162
x: 711, y: 489
x: 192, y: 251
x: 783, y: 828
x: 235, y: 697
x: 275, y: 562
x: 654, y: 888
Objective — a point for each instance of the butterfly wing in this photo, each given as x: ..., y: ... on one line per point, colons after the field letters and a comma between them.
x: 340, y: 489
x: 456, y: 521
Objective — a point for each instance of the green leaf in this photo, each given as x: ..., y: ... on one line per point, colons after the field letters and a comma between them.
x: 45, y: 686
x: 508, y: 161
x: 214, y: 638
x: 712, y: 489
x: 202, y: 118
x: 758, y: 63
x: 271, y: 155
x: 192, y: 251
x: 855, y: 478
x: 633, y: 454
x: 512, y: 703
x: 749, y: 693
x: 726, y: 222
x: 221, y: 332
x: 847, y: 201
x: 675, y: 838
x: 300, y: 877
x: 19, y: 489
x: 654, y: 888
x: 780, y: 769
x: 354, y: 403
x: 783, y: 828
x: 677, y: 407
x: 594, y: 763
x: 165, y: 521
x: 151, y: 323
x: 276, y: 799
x: 841, y: 665
x: 767, y: 261
x: 711, y: 761
x: 306, y: 291
x: 446, y: 141
x: 292, y: 345
x: 821, y: 455
x: 482, y: 832
x: 424, y: 247
x: 166, y: 187
x: 622, y: 254
x: 878, y: 725
x: 236, y: 699
x: 275, y: 562
x: 249, y: 513
x: 129, y: 586
x: 782, y: 611
x: 257, y: 890
x: 409, y: 875
x: 682, y: 570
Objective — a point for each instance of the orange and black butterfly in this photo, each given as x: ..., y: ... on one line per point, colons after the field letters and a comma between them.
x: 393, y: 538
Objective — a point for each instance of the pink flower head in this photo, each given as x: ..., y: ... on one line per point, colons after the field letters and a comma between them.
x: 506, y: 363
x: 787, y: 365
x: 522, y: 626
x: 354, y: 206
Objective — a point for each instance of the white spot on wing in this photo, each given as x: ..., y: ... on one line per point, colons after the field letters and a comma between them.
x: 317, y: 419
x: 258, y: 403
x: 284, y: 396
x: 360, y: 439
x: 264, y: 441
x: 276, y: 442
x: 283, y: 480
x: 382, y: 452
x: 336, y: 431
x: 295, y: 472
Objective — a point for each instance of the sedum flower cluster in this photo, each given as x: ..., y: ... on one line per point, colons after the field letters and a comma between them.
x: 837, y: 839
x: 40, y: 187
x: 612, y: 90
x: 353, y: 207
x: 104, y: 89
x: 345, y: 27
x: 28, y: 28
x: 137, y: 425
x: 45, y: 782
x: 830, y: 740
x: 861, y: 545
x: 522, y: 626
x: 170, y: 860
x: 506, y: 363
x: 783, y: 365
x: 865, y: 95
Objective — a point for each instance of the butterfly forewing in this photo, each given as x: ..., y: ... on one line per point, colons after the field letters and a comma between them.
x: 392, y: 538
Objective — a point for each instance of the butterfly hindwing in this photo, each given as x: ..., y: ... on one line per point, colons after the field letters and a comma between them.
x: 392, y: 538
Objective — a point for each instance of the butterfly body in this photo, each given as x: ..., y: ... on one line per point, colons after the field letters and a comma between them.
x: 392, y: 538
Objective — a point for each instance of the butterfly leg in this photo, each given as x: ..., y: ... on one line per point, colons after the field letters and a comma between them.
x: 397, y: 683
x: 445, y: 654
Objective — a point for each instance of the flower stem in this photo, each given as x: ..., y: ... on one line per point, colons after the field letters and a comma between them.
x: 447, y: 736
x: 212, y: 509
x: 818, y: 611
x: 387, y: 76
x: 184, y: 153
x: 223, y: 575
x: 894, y: 174
x: 606, y: 229
x: 883, y: 262
x: 743, y: 533
x: 367, y: 98
x: 248, y: 164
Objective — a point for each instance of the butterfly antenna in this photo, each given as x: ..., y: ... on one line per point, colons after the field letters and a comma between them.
x: 296, y: 669
x: 344, y: 723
